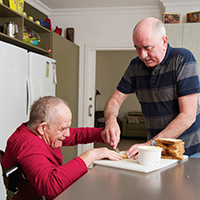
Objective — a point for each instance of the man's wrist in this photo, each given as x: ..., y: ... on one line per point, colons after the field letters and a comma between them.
x: 153, y: 142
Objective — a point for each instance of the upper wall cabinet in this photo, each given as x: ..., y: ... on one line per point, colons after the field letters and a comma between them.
x: 174, y: 34
x: 185, y: 35
x: 7, y: 14
x: 191, y: 39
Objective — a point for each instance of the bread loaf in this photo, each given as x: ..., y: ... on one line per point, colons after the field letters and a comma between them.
x: 172, y: 148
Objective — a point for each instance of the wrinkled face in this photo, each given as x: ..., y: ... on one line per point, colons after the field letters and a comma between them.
x: 54, y: 134
x: 150, y: 49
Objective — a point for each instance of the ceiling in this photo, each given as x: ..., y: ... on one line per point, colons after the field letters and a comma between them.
x: 76, y: 4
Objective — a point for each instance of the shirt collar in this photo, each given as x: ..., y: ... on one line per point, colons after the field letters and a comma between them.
x: 169, y: 48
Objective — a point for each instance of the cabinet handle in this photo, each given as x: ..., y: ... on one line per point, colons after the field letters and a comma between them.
x: 89, y: 109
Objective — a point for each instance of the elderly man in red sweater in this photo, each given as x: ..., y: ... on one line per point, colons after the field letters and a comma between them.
x: 35, y: 146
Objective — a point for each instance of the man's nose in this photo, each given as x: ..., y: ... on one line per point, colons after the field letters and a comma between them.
x: 143, y: 53
x: 66, y: 133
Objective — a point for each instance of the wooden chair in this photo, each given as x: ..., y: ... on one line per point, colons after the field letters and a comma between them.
x: 16, y: 184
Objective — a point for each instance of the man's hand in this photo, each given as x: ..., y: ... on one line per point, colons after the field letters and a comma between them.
x: 99, y: 153
x: 111, y: 134
x: 133, y: 150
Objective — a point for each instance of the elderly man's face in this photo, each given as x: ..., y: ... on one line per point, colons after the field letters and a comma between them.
x: 57, y: 132
x: 150, y: 49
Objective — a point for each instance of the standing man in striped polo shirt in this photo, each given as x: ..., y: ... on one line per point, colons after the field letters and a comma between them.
x: 166, y: 83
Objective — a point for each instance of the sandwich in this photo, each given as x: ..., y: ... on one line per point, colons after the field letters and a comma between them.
x: 172, y: 148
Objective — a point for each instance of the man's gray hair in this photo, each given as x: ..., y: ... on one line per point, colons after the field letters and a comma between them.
x: 44, y: 110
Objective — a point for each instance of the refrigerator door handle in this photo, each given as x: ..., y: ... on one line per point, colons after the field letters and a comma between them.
x: 54, y: 72
x: 27, y: 97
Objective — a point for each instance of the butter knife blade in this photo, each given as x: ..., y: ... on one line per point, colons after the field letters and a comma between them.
x: 117, y: 150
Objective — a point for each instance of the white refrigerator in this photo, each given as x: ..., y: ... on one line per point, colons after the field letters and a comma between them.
x: 41, y: 76
x: 24, y: 77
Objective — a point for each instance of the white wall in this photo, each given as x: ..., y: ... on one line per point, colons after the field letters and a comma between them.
x: 111, y: 27
x: 102, y: 27
x: 108, y: 26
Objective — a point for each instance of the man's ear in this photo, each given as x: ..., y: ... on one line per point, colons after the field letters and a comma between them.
x: 41, y: 128
x: 165, y: 41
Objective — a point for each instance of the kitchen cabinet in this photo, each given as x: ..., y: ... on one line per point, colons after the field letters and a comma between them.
x: 191, y: 39
x: 185, y: 35
x: 7, y: 14
x: 66, y: 54
x: 174, y: 34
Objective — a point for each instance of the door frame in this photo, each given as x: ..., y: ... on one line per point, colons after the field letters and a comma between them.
x: 89, y: 78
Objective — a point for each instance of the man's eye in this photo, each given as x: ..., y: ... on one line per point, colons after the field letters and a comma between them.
x: 63, y: 129
x: 138, y: 48
x: 149, y: 48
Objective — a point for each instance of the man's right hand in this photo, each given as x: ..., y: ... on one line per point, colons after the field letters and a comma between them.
x: 111, y: 134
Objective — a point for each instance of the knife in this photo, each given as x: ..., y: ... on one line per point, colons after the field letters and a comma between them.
x: 117, y: 150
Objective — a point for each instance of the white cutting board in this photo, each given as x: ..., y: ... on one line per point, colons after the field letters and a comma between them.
x: 133, y: 165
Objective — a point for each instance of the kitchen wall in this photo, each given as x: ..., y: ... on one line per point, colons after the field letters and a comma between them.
x: 110, y: 66
x: 101, y: 27
x: 110, y: 26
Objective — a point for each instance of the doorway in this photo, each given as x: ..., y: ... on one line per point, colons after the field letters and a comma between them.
x: 89, y: 84
x: 110, y: 66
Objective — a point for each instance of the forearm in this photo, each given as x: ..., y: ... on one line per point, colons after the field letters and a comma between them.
x: 113, y: 105
x: 178, y: 126
x: 111, y: 110
x: 87, y: 157
x: 83, y: 135
x: 174, y: 129
x: 186, y: 117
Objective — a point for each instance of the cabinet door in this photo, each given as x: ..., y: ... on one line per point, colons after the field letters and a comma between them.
x: 66, y: 55
x: 191, y: 39
x: 185, y: 35
x: 174, y: 34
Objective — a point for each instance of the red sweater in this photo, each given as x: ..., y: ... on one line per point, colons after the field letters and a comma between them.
x: 42, y: 164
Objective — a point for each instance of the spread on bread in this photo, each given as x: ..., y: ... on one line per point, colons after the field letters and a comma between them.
x: 172, y: 148
x: 124, y: 153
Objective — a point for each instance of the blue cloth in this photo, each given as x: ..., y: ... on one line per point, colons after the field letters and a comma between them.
x: 158, y: 91
x: 196, y: 155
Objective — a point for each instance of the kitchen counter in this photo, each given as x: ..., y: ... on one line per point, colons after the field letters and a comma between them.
x: 177, y: 182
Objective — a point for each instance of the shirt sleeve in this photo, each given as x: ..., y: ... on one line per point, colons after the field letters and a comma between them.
x: 83, y: 136
x: 126, y: 84
x: 187, y: 75
x: 45, y: 174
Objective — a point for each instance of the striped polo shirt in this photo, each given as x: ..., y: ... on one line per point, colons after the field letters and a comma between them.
x: 158, y: 91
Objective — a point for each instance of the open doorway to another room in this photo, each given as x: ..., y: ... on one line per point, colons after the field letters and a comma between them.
x: 110, y: 66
